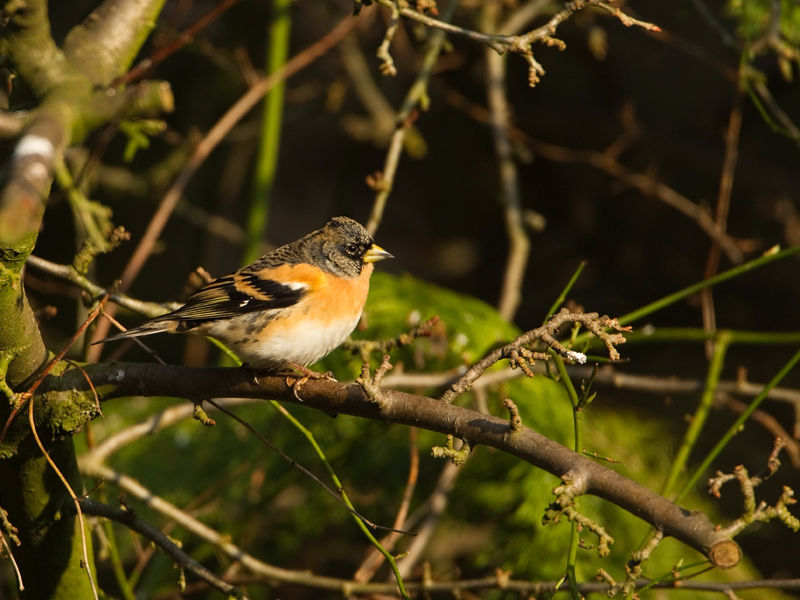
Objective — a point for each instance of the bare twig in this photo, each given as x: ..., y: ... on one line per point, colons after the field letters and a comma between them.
x: 374, y: 558
x: 5, y: 544
x: 183, y: 560
x: 768, y: 422
x: 387, y: 63
x: 185, y: 37
x: 69, y: 273
x: 406, y: 116
x: 721, y: 219
x: 773, y: 464
x: 536, y: 589
x: 600, y: 160
x: 435, y: 505
x: 371, y: 384
x: 519, y: 356
x: 760, y: 512
x: 563, y: 505
x: 367, y: 347
x: 633, y: 568
x: 521, y: 44
x: 605, y: 376
x: 511, y: 291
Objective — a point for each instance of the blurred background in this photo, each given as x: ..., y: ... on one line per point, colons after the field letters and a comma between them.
x: 654, y: 107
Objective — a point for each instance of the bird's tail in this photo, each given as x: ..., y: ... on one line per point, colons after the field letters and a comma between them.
x: 146, y: 328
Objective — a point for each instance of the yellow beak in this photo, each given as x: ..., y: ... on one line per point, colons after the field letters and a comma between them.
x: 375, y: 253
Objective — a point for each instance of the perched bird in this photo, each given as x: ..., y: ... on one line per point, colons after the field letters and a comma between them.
x: 291, y: 306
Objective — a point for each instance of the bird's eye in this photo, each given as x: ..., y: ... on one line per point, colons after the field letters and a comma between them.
x: 352, y: 249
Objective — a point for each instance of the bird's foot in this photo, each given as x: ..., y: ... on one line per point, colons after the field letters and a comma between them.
x: 307, y: 374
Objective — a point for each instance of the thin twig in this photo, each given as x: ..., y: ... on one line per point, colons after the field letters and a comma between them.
x: 194, y: 526
x: 297, y: 465
x: 183, y: 560
x: 768, y: 422
x: 185, y: 37
x: 721, y: 219
x: 405, y: 118
x: 374, y: 558
x: 367, y: 347
x: 641, y: 181
x: 13, y: 561
x: 535, y: 589
x: 513, y: 278
x: 436, y: 505
x: 521, y: 44
x: 68, y: 273
x: 519, y: 356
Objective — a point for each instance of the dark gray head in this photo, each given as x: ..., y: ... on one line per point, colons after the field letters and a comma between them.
x: 342, y: 247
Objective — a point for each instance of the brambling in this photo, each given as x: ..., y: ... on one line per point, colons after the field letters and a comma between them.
x: 291, y: 307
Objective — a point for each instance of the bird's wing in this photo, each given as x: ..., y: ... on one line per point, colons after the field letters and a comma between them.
x: 240, y: 293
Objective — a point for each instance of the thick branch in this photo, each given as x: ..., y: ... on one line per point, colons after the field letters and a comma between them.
x: 28, y: 46
x: 120, y: 380
x: 108, y: 40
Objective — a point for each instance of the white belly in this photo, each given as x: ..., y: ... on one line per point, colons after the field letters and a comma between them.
x: 304, y: 343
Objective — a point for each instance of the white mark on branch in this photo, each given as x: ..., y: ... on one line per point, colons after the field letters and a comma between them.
x: 577, y: 357
x: 33, y: 145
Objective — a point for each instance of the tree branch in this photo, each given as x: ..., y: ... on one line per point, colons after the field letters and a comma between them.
x: 183, y: 560
x: 586, y: 476
x: 108, y: 40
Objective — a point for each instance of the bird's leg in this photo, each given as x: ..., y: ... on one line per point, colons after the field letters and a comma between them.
x: 307, y: 374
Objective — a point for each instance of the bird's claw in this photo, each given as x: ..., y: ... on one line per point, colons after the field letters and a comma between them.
x: 307, y: 374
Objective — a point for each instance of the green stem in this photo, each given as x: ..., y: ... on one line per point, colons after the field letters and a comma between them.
x: 340, y: 488
x: 704, y: 564
x: 125, y: 586
x: 565, y: 291
x: 572, y: 557
x: 80, y: 204
x: 765, y: 259
x: 739, y: 424
x: 267, y: 162
x: 577, y: 413
x: 701, y: 415
x: 321, y: 455
x: 690, y: 334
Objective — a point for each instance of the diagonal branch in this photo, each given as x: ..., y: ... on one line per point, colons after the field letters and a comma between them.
x: 588, y: 477
x: 183, y: 560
